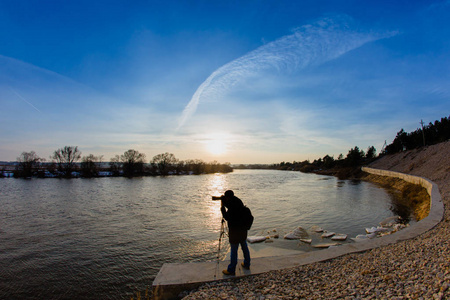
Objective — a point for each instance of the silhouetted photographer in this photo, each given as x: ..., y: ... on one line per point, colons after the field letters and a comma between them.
x: 239, y: 219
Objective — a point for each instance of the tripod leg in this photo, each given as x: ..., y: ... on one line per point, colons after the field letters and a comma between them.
x: 222, y: 232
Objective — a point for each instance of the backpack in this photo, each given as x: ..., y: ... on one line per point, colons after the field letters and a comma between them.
x: 247, y: 218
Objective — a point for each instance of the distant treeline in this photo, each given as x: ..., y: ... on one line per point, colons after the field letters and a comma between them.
x: 67, y: 162
x: 326, y: 165
x: 350, y: 165
x: 354, y: 158
x: 430, y: 134
x: 254, y: 166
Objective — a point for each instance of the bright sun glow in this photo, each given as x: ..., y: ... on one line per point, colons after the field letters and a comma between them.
x: 216, y: 147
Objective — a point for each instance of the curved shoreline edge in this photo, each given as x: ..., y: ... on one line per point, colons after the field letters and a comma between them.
x: 436, y: 213
x: 168, y: 284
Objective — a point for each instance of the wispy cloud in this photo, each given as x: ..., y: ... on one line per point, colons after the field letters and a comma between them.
x: 308, y: 45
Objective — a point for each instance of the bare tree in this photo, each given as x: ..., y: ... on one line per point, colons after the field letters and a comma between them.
x: 28, y: 162
x: 196, y: 166
x: 164, y: 162
x: 132, y: 163
x: 66, y: 158
x: 89, y: 167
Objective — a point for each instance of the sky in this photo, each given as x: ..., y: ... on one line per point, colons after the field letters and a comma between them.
x: 232, y: 81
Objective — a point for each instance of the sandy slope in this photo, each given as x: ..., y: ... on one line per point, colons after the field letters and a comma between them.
x: 431, y: 162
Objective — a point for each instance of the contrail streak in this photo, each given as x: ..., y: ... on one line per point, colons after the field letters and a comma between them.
x: 308, y: 45
x: 18, y: 95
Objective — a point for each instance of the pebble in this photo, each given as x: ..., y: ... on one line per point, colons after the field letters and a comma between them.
x: 418, y: 268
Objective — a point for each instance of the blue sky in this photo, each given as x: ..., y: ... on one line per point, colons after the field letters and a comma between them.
x: 232, y: 81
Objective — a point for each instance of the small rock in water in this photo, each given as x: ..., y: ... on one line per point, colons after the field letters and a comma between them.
x: 298, y: 233
x: 339, y: 237
x: 364, y: 237
x: 316, y: 228
x: 371, y: 235
x: 308, y: 241
x: 399, y: 226
x: 327, y: 234
x: 376, y: 229
x: 391, y: 221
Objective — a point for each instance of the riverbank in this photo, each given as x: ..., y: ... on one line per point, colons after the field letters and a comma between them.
x: 411, y: 196
x: 416, y: 268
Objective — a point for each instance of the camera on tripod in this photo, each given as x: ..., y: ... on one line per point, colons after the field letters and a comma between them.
x: 224, y: 200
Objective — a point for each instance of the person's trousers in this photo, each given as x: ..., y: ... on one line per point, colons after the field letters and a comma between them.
x: 234, y: 256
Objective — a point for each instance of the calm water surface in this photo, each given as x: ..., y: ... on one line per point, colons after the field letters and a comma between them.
x: 108, y: 237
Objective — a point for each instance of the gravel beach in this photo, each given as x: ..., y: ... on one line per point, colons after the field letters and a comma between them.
x: 414, y: 269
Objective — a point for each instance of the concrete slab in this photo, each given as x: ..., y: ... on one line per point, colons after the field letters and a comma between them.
x: 175, y: 278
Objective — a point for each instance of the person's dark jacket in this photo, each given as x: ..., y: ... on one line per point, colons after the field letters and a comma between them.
x: 231, y: 211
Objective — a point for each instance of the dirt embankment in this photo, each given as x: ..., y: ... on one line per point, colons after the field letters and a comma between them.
x: 410, y: 195
x: 431, y: 162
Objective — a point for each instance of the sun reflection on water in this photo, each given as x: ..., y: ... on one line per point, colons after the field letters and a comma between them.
x: 215, y: 186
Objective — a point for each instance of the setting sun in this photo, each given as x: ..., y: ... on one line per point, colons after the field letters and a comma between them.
x: 216, y: 147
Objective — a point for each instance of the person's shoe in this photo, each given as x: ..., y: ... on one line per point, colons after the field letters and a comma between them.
x: 244, y: 266
x: 228, y: 273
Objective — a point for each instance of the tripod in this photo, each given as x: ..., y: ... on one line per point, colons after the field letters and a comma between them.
x: 222, y: 233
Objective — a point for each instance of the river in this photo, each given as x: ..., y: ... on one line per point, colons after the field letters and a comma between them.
x: 108, y: 237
